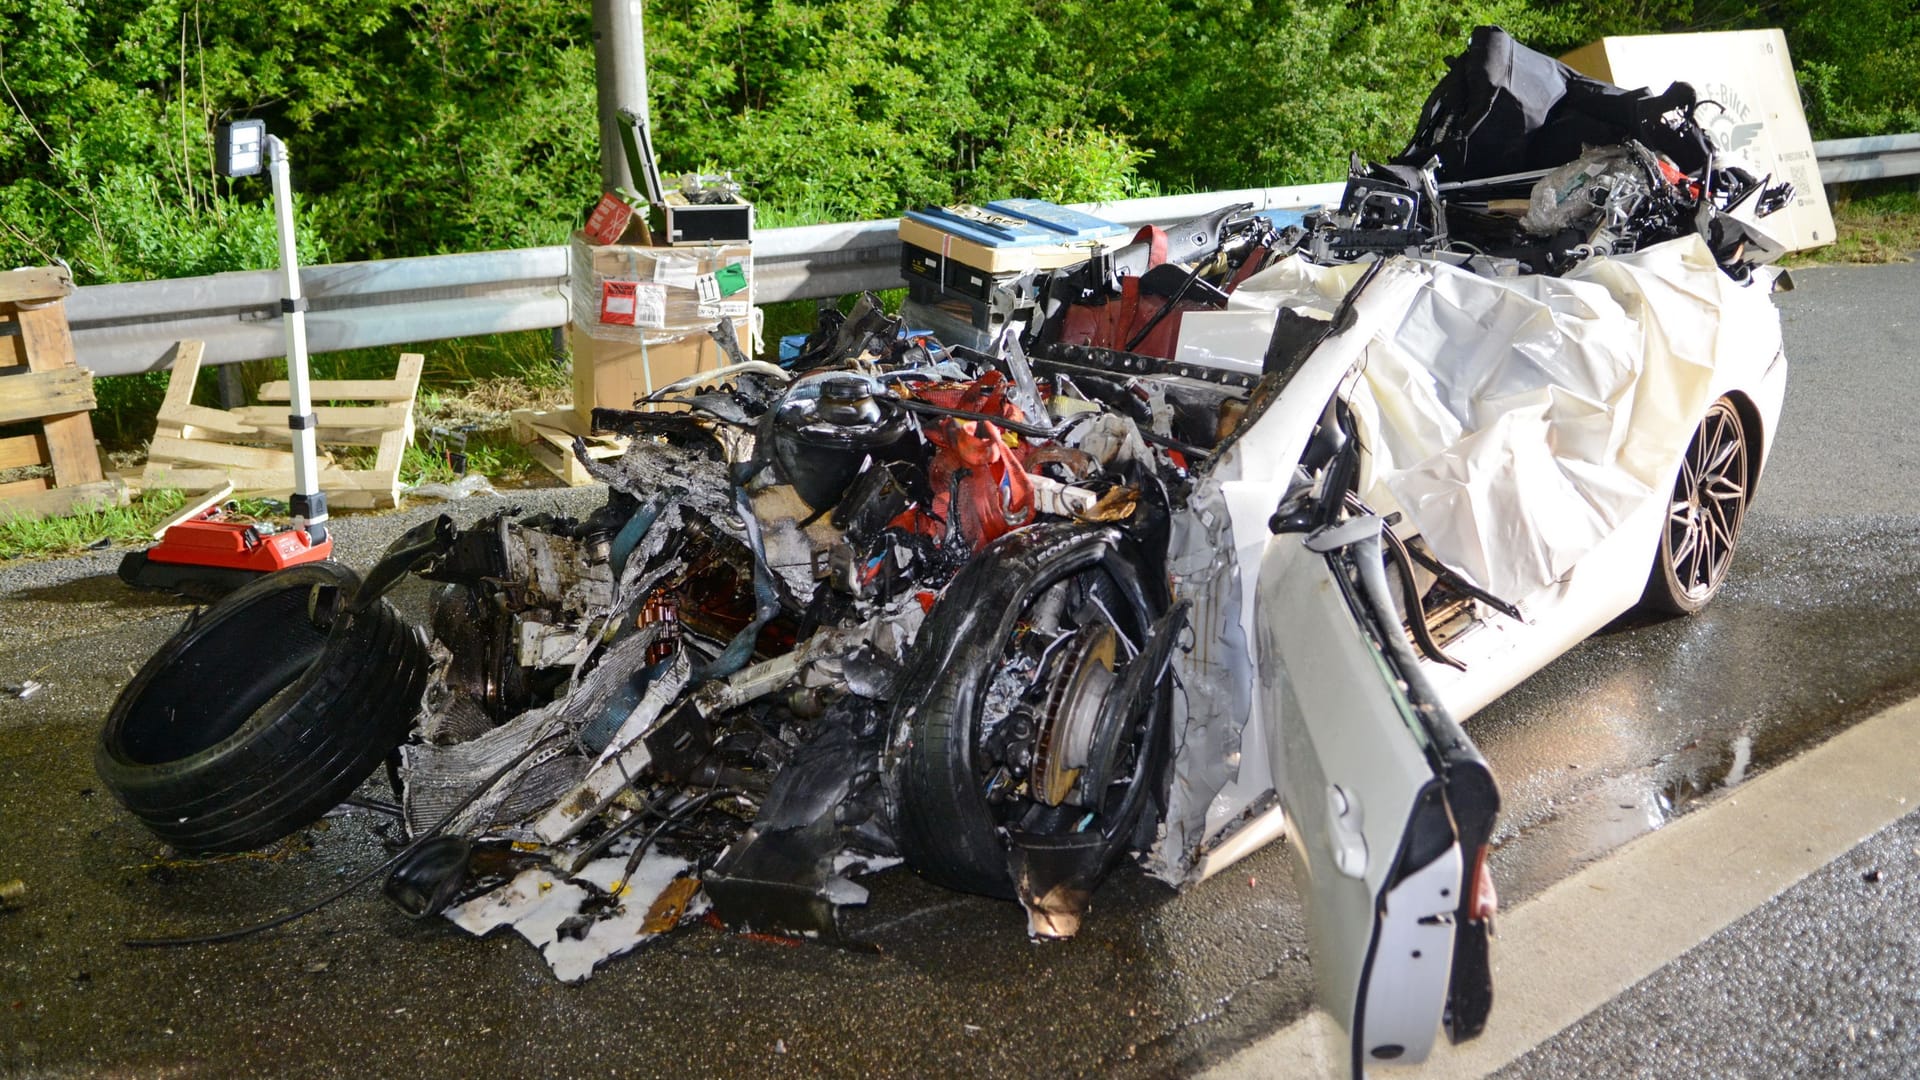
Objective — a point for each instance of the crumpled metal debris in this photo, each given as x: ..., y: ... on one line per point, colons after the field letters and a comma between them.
x: 547, y: 909
x: 719, y: 691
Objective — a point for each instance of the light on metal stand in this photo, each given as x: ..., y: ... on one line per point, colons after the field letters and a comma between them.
x: 209, y: 553
x: 307, y: 503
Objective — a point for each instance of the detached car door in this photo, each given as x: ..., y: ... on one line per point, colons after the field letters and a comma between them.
x: 1389, y: 805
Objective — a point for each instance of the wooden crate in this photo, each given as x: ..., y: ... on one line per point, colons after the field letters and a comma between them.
x: 196, y: 448
x: 43, y: 390
x: 548, y: 436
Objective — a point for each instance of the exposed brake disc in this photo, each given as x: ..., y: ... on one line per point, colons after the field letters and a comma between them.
x: 1075, y: 701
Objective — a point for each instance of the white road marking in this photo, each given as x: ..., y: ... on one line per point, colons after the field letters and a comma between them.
x: 1583, y: 940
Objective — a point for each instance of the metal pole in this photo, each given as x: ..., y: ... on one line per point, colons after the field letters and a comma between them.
x: 307, y: 504
x: 620, y: 69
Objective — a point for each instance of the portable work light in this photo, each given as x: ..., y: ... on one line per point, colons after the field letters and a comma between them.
x: 209, y: 552
x: 241, y: 147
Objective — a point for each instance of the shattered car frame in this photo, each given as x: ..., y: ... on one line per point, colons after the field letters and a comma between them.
x: 1233, y: 538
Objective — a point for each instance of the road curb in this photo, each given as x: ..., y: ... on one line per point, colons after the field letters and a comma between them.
x: 1587, y: 938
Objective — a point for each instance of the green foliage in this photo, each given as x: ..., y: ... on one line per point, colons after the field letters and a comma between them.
x: 453, y: 363
x: 1087, y: 164
x: 445, y: 125
x: 105, y: 147
x: 476, y: 130
x: 454, y: 125
x: 1859, y: 65
x: 125, y: 407
x: 855, y: 108
x: 132, y: 523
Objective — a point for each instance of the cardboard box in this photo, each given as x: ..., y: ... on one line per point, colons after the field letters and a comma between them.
x: 695, y: 287
x: 1750, y: 74
x: 616, y: 374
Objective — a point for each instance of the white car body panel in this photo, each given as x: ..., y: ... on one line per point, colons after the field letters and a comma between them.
x: 1566, y: 516
x: 1352, y: 772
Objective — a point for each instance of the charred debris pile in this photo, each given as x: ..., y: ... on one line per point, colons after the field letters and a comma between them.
x: 895, y: 602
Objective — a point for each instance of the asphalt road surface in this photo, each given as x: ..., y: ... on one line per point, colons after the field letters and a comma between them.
x: 1814, y: 631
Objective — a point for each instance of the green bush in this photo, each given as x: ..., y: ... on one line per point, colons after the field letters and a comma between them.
x: 457, y: 125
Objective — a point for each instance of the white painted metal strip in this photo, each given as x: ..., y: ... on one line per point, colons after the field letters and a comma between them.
x: 1589, y: 937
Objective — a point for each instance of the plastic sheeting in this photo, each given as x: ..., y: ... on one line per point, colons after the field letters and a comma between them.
x: 1517, y: 421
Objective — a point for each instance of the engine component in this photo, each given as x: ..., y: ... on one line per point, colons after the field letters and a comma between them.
x: 825, y: 428
x: 980, y: 488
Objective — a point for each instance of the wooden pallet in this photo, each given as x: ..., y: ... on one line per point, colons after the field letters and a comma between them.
x: 41, y: 388
x: 548, y: 436
x: 197, y: 448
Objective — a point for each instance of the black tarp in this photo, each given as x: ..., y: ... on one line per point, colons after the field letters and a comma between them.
x: 1504, y: 108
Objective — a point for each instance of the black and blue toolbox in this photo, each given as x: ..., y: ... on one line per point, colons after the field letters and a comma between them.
x: 971, y: 270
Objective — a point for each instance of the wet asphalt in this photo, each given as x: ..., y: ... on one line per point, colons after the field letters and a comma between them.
x: 1817, y: 982
x: 1817, y: 628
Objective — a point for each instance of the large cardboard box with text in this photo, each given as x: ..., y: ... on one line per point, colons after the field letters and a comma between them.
x: 1758, y: 117
x: 642, y: 316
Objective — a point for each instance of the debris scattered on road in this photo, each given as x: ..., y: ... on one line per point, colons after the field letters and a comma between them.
x: 22, y: 690
x: 981, y: 610
x: 1871, y: 876
x: 466, y: 486
x: 13, y: 895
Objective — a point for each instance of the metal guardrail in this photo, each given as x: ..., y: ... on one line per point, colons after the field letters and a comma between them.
x: 124, y: 329
x: 130, y: 328
x: 1844, y: 161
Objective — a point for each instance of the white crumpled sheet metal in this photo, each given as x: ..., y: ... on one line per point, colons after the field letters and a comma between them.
x: 537, y: 901
x: 1518, y: 421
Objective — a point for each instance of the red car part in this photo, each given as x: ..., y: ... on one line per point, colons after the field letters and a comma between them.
x: 977, y: 481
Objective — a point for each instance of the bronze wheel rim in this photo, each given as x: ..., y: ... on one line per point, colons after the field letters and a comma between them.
x: 1709, y: 499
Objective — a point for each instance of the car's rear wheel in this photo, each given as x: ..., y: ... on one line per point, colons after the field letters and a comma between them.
x: 1704, y: 514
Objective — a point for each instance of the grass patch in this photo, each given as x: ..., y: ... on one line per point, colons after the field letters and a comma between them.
x: 1873, y: 222
x: 456, y: 364
x: 475, y: 418
x: 492, y: 454
x: 52, y: 536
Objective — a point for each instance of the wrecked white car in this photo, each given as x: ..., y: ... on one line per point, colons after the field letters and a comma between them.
x: 1226, y: 547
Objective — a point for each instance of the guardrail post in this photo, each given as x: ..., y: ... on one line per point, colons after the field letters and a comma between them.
x: 233, y: 393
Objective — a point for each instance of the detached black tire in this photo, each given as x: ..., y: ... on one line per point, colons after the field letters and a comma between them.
x: 263, y: 712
